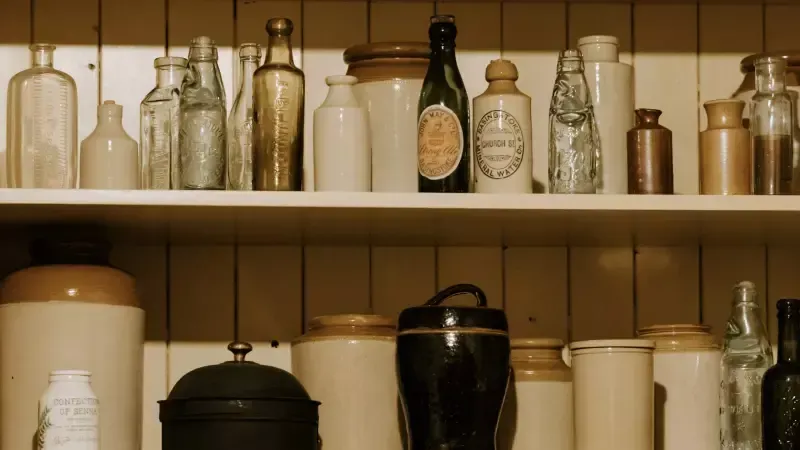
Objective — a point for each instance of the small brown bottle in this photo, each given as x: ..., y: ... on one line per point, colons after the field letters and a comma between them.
x: 649, y: 155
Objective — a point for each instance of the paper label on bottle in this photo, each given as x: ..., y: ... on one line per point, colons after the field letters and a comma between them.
x: 440, y: 142
x: 499, y: 145
x: 68, y: 423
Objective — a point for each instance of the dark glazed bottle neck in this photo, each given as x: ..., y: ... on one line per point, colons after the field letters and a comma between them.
x: 648, y: 116
x: 788, y: 331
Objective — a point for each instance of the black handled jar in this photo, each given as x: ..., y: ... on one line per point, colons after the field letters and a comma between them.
x: 453, y: 370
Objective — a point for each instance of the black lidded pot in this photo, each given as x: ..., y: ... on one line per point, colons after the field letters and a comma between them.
x: 453, y: 370
x: 239, y: 405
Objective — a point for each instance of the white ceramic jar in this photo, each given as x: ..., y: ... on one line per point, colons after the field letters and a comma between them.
x: 341, y: 140
x: 69, y: 413
x: 347, y: 362
x: 390, y: 78
x: 686, y: 370
x: 109, y: 157
x: 611, y: 86
x: 537, y: 413
x: 613, y: 388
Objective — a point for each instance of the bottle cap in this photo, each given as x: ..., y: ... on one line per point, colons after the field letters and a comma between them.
x: 170, y: 61
x: 599, y: 48
x: 339, y: 80
x: 249, y: 50
x: 280, y: 26
x: 501, y: 69
x: 598, y: 39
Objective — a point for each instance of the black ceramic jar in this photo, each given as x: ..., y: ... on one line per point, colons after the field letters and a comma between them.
x: 238, y: 405
x: 453, y: 370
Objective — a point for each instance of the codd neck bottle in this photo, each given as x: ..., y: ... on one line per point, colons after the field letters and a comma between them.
x: 443, y: 125
x: 781, y: 388
x: 574, y: 146
x: 203, y: 135
x: 240, y: 123
x: 159, y: 126
x: 746, y: 355
x: 42, y: 125
x: 278, y: 97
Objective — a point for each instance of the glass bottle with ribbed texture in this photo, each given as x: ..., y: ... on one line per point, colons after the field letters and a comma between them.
x: 746, y: 355
x: 203, y: 132
x: 574, y: 146
x: 42, y: 125
x: 159, y: 124
x: 240, y: 123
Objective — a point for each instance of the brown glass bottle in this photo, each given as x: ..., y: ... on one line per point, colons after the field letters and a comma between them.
x: 649, y: 155
x: 278, y: 97
x: 443, y: 127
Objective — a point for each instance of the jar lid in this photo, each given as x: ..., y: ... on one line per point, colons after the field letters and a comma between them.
x: 376, y: 50
x: 792, y: 58
x: 433, y: 316
x: 242, y: 389
x: 613, y: 343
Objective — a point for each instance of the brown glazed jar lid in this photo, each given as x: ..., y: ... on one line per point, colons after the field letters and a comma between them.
x: 381, y: 50
x: 792, y: 58
x: 349, y: 326
x: 680, y: 337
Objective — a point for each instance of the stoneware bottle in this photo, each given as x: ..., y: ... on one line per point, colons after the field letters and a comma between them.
x: 649, y: 155
x: 611, y: 86
x: 341, y: 140
x: 502, y: 133
x: 109, y: 157
x: 725, y: 167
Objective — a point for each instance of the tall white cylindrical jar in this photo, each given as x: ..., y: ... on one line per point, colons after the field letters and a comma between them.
x: 346, y: 362
x: 611, y: 86
x: 69, y: 413
x: 686, y: 369
x: 341, y: 140
x: 501, y: 129
x: 109, y: 157
x: 537, y: 413
x: 613, y: 388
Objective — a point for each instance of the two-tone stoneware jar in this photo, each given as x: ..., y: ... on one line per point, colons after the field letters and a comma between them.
x: 538, y: 409
x: 686, y: 370
x: 347, y: 363
x: 390, y: 78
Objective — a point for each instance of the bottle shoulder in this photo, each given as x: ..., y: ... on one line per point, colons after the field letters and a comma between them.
x: 782, y: 372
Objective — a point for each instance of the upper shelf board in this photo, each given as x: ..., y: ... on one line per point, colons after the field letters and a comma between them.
x: 338, y: 218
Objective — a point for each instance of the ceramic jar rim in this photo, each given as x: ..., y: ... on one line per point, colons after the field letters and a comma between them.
x: 536, y: 344
x: 610, y: 344
x: 680, y: 337
x: 349, y: 326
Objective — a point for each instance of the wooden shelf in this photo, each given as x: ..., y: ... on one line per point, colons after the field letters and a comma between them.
x: 330, y: 218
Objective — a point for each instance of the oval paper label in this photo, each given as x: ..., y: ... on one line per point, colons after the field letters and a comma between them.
x: 499, y: 146
x: 440, y: 142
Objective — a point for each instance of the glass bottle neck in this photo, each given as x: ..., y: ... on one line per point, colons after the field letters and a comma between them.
x: 788, y: 335
x: 770, y: 78
x: 248, y: 66
x: 443, y: 53
x: 279, y: 50
x: 170, y: 76
x: 42, y: 58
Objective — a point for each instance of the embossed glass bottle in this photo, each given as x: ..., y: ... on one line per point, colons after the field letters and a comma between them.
x: 278, y: 105
x: 42, y: 125
x: 203, y: 133
x: 158, y: 132
x: 240, y: 123
x: 574, y: 146
x: 781, y: 388
x: 746, y: 355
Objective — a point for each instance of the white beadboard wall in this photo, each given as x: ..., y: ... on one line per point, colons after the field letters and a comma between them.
x: 200, y: 297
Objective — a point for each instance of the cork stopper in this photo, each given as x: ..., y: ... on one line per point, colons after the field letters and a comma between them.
x: 501, y: 69
x: 280, y: 26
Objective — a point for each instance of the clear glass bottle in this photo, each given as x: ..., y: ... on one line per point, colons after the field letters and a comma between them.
x: 574, y: 146
x: 158, y: 132
x: 42, y: 125
x: 240, y: 123
x: 203, y: 133
x: 746, y: 355
x: 771, y: 128
x: 278, y: 105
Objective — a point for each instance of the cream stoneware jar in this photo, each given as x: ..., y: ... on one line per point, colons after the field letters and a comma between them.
x: 347, y: 362
x: 686, y: 370
x: 613, y: 388
x: 537, y: 413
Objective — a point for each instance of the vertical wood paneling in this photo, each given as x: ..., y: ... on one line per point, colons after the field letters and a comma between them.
x: 781, y: 32
x: 601, y: 292
x: 481, y: 266
x: 73, y: 27
x: 133, y: 35
x: 201, y: 307
x: 727, y: 33
x: 336, y: 281
x: 148, y: 265
x: 721, y: 269
x: 782, y: 282
x: 586, y: 19
x: 532, y: 37
x: 270, y: 301
x: 322, y: 56
x: 15, y: 32
x: 666, y: 79
x: 667, y: 285
x: 399, y: 21
x: 402, y: 277
x: 537, y: 291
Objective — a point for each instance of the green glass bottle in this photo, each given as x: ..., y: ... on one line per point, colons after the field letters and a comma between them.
x: 443, y: 126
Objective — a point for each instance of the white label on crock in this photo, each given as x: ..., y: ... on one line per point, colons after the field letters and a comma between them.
x: 68, y: 423
x: 499, y: 145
